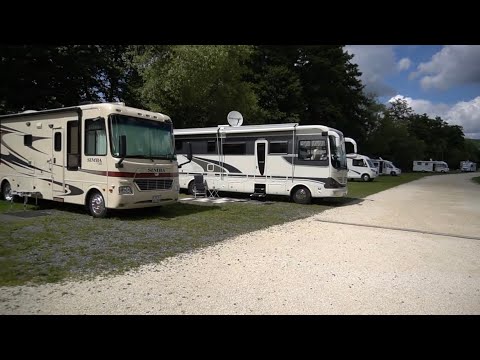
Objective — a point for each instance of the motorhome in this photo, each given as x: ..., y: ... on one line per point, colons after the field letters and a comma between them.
x: 300, y: 161
x: 385, y: 167
x: 430, y: 166
x: 104, y: 156
x: 466, y: 166
x: 361, y: 167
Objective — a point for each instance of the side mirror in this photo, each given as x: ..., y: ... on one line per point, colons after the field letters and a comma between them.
x: 122, y: 150
x: 189, y: 155
x: 122, y: 146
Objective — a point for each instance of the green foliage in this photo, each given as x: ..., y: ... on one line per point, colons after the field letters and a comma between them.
x: 45, y: 77
x: 333, y: 91
x: 197, y: 85
x: 277, y: 84
x: 401, y: 135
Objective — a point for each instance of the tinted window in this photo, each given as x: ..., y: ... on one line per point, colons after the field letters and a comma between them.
x: 278, y: 147
x: 234, y: 149
x: 58, y: 141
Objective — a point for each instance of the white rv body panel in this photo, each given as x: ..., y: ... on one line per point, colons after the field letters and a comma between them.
x: 466, y: 166
x: 430, y: 166
x: 361, y: 167
x: 64, y: 154
x: 270, y: 159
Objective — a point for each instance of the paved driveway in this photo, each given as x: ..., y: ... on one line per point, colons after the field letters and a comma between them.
x: 413, y: 249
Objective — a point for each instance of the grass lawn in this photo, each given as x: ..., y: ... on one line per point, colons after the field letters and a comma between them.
x: 476, y: 179
x: 71, y: 244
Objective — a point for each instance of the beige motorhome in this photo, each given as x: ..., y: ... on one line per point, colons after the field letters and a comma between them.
x: 104, y: 156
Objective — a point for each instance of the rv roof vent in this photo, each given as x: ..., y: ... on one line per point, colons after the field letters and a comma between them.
x: 29, y: 111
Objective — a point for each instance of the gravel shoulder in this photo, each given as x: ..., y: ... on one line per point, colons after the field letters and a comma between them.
x: 307, y: 266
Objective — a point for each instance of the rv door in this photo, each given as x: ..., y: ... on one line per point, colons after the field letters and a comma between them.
x: 57, y: 166
x: 261, y: 147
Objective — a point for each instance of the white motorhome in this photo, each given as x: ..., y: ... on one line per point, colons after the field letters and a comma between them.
x: 104, y: 156
x: 466, y: 166
x: 385, y: 167
x: 430, y: 166
x: 361, y: 167
x: 303, y: 162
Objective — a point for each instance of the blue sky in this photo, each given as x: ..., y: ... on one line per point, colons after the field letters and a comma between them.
x: 440, y: 80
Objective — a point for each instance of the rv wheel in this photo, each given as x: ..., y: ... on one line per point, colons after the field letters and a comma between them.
x: 301, y: 195
x: 96, y: 205
x: 393, y: 173
x: 191, y: 186
x: 7, y: 191
x: 366, y: 177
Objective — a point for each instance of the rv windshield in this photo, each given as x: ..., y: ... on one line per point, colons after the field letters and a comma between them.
x: 337, y: 153
x: 370, y: 163
x: 147, y: 139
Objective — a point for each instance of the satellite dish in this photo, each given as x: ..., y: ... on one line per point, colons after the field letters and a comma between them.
x: 235, y: 118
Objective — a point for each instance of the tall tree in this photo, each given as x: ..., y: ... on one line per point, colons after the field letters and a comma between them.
x: 197, y: 85
x: 42, y: 77
x: 333, y: 91
x: 276, y: 82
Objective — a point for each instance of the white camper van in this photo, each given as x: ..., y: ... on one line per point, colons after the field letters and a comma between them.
x: 466, y: 166
x: 430, y: 166
x: 302, y: 162
x: 385, y: 167
x: 361, y: 167
x: 104, y: 156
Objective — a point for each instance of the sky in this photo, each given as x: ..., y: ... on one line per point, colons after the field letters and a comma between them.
x: 439, y: 80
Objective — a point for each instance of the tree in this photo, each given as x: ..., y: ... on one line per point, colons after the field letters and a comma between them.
x: 197, y: 85
x: 277, y: 84
x: 333, y: 91
x: 43, y: 77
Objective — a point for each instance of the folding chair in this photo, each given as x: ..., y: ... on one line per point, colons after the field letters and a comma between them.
x: 199, y: 187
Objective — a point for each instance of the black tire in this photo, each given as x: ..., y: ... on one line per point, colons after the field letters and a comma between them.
x: 96, y: 205
x: 366, y: 177
x: 393, y: 173
x: 7, y: 191
x: 302, y: 195
x: 191, y: 186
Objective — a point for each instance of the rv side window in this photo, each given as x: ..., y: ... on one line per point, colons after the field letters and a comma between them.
x: 211, y: 147
x: 419, y: 163
x: 312, y: 150
x: 235, y: 149
x: 27, y: 140
x: 73, y: 148
x: 58, y: 141
x: 95, y: 137
x: 358, y: 163
x: 278, y: 147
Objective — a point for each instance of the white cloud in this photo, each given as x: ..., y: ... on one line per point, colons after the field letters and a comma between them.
x: 375, y: 62
x: 404, y: 64
x: 463, y: 113
x: 453, y: 65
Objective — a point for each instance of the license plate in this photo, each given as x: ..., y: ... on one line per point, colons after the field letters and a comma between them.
x: 156, y: 198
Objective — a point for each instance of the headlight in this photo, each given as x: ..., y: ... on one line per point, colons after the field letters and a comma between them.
x: 125, y: 190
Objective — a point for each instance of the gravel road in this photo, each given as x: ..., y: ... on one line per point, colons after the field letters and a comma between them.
x: 413, y: 249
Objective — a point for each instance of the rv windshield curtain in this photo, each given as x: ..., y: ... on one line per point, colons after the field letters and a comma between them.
x: 145, y: 138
